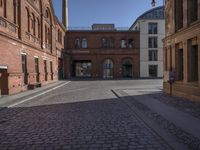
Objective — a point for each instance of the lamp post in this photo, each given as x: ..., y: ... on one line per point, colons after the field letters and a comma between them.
x: 153, y: 3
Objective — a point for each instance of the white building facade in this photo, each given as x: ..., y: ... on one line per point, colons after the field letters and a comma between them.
x: 151, y: 25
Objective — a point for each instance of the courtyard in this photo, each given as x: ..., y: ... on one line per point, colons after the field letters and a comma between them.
x: 104, y: 114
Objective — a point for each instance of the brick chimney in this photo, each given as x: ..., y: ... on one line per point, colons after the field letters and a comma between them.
x: 65, y: 13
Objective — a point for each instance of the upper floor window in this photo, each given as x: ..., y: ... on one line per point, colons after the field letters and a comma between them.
x: 178, y: 14
x: 153, y: 28
x: 123, y: 43
x: 153, y: 55
x: 28, y: 19
x: 1, y: 3
x: 84, y: 43
x: 77, y: 43
x: 59, y: 36
x: 130, y: 43
x: 192, y: 10
x: 104, y: 43
x: 108, y: 43
x: 153, y: 42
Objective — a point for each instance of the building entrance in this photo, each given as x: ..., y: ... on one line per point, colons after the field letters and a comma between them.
x: 83, y: 69
x: 127, y: 68
x: 3, y: 82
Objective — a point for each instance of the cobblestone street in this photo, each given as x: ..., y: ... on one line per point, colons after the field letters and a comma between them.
x: 86, y: 115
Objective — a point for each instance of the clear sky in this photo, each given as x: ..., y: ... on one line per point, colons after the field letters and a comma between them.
x: 83, y: 13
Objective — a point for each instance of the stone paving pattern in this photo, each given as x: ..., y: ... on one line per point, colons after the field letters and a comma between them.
x: 191, y: 107
x: 104, y: 124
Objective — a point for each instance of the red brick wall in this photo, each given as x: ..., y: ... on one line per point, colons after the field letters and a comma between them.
x: 15, y: 39
x: 98, y: 55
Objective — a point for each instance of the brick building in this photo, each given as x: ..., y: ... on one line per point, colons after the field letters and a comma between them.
x: 31, y: 44
x: 182, y: 48
x: 102, y: 52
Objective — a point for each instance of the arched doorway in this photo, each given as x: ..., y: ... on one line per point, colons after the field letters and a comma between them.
x: 127, y: 68
x: 108, y: 69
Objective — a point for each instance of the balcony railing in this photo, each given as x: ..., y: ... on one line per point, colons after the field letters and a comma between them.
x: 8, y: 25
x: 33, y: 38
x: 98, y: 29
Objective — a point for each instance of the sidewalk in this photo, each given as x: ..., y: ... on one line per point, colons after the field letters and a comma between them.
x: 6, y: 101
x: 183, y: 125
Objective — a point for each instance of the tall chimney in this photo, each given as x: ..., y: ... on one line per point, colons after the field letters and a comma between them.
x: 65, y: 13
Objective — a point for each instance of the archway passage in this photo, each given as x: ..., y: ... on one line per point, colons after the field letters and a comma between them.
x: 127, y: 68
x: 108, y: 69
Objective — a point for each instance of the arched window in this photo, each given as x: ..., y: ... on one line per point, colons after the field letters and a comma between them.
x: 15, y: 10
x: 111, y: 43
x: 104, y: 42
x: 1, y: 3
x: 28, y: 19
x: 123, y: 43
x: 84, y: 43
x: 38, y: 26
x: 77, y: 43
x: 33, y: 24
x: 46, y: 34
x: 5, y: 8
x: 108, y: 68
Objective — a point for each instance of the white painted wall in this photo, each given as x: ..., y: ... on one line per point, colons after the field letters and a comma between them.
x: 144, y: 50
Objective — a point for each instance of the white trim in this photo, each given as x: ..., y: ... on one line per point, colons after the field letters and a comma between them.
x: 3, y: 67
x: 23, y: 53
x: 36, y: 57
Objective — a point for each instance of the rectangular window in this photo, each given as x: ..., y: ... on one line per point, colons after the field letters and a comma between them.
x: 153, y: 55
x: 37, y: 69
x: 153, y: 71
x: 178, y: 14
x: 130, y: 43
x: 123, y: 43
x: 192, y: 62
x: 192, y: 10
x: 45, y: 71
x: 153, y: 28
x: 153, y: 42
x: 51, y: 69
x: 166, y: 59
x: 24, y: 68
x: 179, y: 64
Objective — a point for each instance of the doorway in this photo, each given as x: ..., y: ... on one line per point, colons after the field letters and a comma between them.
x: 83, y: 69
x: 127, y: 68
x: 3, y: 82
x: 108, y: 69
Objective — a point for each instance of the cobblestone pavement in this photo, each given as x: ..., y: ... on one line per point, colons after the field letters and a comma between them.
x: 81, y: 115
x: 132, y: 99
x: 193, y: 108
x: 192, y: 142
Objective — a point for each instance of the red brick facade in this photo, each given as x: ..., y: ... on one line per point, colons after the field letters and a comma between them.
x: 28, y: 34
x: 102, y: 47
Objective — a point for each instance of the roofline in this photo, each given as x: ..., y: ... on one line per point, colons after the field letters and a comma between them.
x: 138, y: 18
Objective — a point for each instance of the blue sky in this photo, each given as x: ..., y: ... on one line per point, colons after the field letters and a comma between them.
x: 83, y: 13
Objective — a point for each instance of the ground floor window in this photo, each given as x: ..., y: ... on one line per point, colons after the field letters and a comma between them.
x: 193, y: 71
x: 108, y: 68
x: 179, y: 64
x: 37, y: 69
x: 83, y: 69
x: 24, y: 68
x: 127, y: 68
x: 153, y: 70
x: 45, y: 71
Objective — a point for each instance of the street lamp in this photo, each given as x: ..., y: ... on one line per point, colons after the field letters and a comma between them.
x: 153, y: 3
